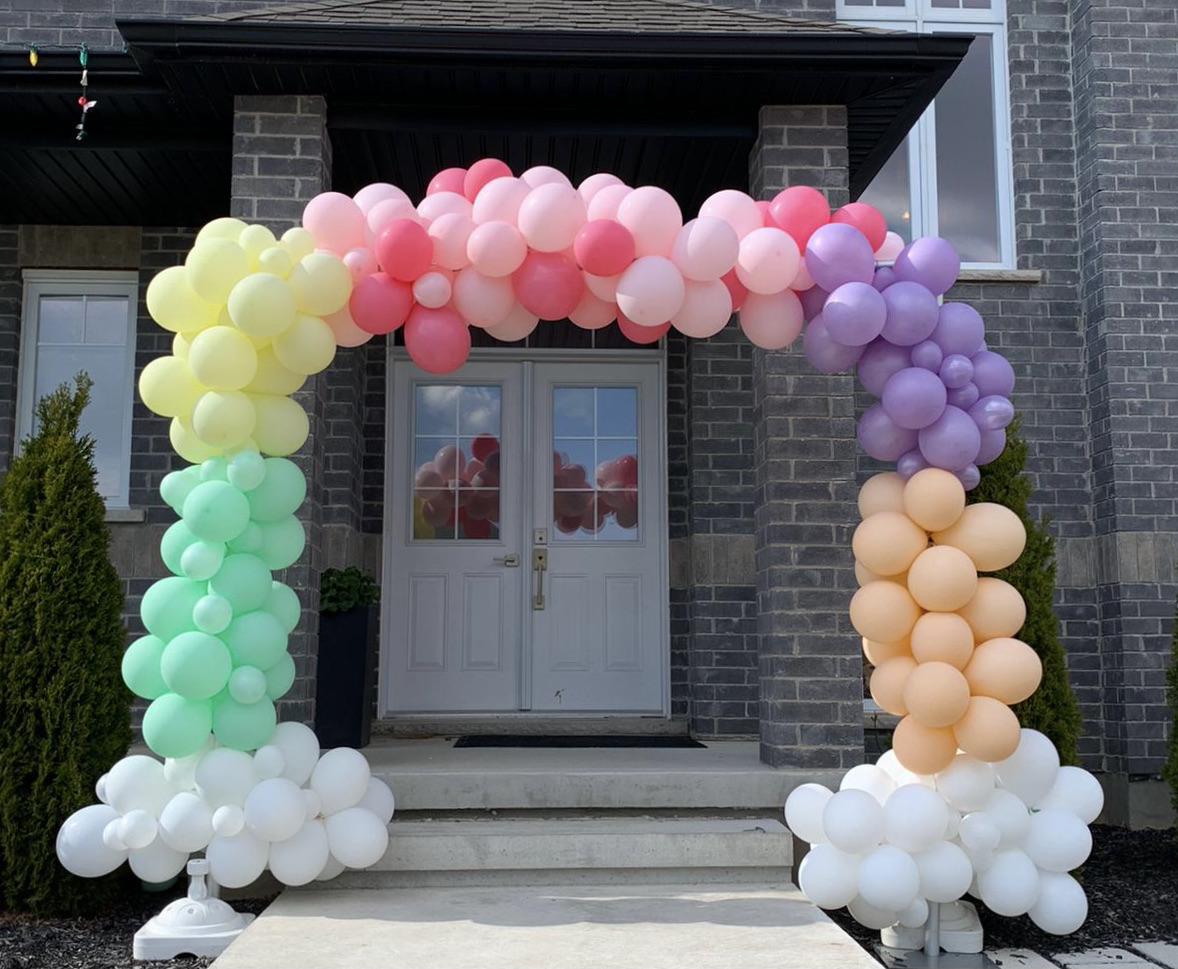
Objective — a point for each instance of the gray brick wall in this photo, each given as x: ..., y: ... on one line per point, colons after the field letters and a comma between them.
x: 10, y: 323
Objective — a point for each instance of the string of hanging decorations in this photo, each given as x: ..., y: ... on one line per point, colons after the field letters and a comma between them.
x: 85, y: 103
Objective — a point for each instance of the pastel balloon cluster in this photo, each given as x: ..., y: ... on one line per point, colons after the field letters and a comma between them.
x: 941, y: 638
x: 451, y: 490
x: 890, y: 842
x: 285, y: 808
x: 581, y: 506
x: 215, y: 657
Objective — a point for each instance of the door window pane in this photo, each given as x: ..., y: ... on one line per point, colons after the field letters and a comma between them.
x: 891, y: 191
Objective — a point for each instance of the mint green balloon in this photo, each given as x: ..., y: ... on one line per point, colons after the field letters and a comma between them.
x: 280, y: 493
x: 141, y: 667
x: 242, y: 726
x: 244, y: 580
x: 216, y: 511
x: 247, y: 684
x: 196, y: 665
x: 256, y: 639
x: 176, y: 541
x: 176, y: 727
x: 246, y: 470
x: 283, y: 602
x: 176, y: 486
x: 167, y: 606
x: 214, y: 469
x: 282, y: 542
x: 201, y: 560
x: 249, y: 540
x: 280, y: 677
x: 212, y: 614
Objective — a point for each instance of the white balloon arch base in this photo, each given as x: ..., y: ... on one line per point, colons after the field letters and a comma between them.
x: 198, y: 924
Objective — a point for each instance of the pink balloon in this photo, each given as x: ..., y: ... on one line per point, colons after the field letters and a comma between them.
x: 386, y: 211
x: 651, y: 291
x: 496, y: 249
x: 772, y: 321
x: 539, y: 175
x: 499, y: 201
x: 482, y: 300
x: 593, y: 313
x: 766, y: 218
x: 450, y: 234
x: 548, y: 285
x: 706, y: 309
x: 345, y: 330
x: 438, y: 341
x: 370, y: 195
x: 551, y: 216
x: 653, y: 216
x: 604, y: 247
x: 736, y: 208
x: 736, y: 289
x: 443, y: 203
x: 803, y: 280
x: 449, y: 461
x: 361, y: 262
x: 893, y: 245
x: 605, y: 201
x: 800, y: 211
x: 404, y: 250
x: 642, y: 335
x: 768, y: 261
x: 336, y: 222
x: 428, y: 482
x: 448, y: 180
x: 867, y: 219
x: 433, y: 289
x: 482, y: 172
x: 517, y: 325
x: 380, y: 304
x: 595, y: 183
x: 706, y: 248
x: 603, y: 287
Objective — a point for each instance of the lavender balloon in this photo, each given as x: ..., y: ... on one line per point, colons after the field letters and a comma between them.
x: 992, y: 413
x: 855, y: 314
x: 992, y: 374
x: 914, y: 398
x: 956, y: 371
x: 884, y: 277
x: 993, y: 444
x: 838, y: 254
x: 959, y: 329
x: 970, y: 477
x: 963, y: 397
x: 910, y: 462
x: 880, y: 360
x: 883, y: 439
x: 813, y: 299
x: 912, y: 313
x: 825, y: 354
x: 927, y: 355
x: 952, y: 441
x: 931, y: 261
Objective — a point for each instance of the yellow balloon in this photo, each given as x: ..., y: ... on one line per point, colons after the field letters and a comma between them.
x: 276, y: 261
x: 214, y: 267
x: 256, y: 239
x: 421, y: 528
x: 168, y: 387
x: 174, y: 306
x: 273, y: 378
x: 181, y: 344
x: 223, y: 228
x: 185, y: 442
x: 307, y: 347
x: 322, y: 284
x: 298, y: 242
x: 224, y: 419
x: 223, y: 358
x: 262, y: 305
x: 282, y: 425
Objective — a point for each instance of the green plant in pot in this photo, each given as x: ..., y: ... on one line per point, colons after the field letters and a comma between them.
x: 346, y: 677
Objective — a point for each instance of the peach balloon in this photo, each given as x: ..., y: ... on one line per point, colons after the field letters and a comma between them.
x: 706, y: 309
x: 990, y: 534
x: 989, y: 730
x: 934, y: 499
x: 942, y: 637
x: 997, y: 609
x: 889, y: 681
x: 1005, y: 669
x: 593, y: 313
x: 883, y: 612
x: 936, y: 694
x: 942, y: 579
x: 879, y: 653
x: 888, y: 543
x: 881, y: 492
x: 922, y: 749
x: 863, y: 574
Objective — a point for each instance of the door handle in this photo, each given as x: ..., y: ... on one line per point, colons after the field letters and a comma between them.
x: 539, y: 567
x: 508, y: 561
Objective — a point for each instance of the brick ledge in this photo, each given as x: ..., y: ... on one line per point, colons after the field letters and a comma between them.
x: 1000, y: 276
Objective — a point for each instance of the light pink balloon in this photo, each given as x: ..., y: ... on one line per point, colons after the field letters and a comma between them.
x: 369, y: 195
x: 593, y: 313
x: 737, y: 209
x: 386, y: 211
x: 706, y: 248
x: 706, y: 309
x: 515, y: 326
x: 551, y: 216
x: 603, y: 287
x: 771, y: 321
x: 893, y: 245
x: 803, y: 280
x: 499, y: 200
x: 451, y: 233
x: 653, y: 216
x: 605, y: 201
x: 443, y: 203
x: 544, y: 175
x: 482, y: 300
x: 347, y: 333
x: 432, y: 289
x: 335, y: 221
x: 496, y: 248
x: 768, y: 261
x: 361, y: 262
x: 651, y: 291
x: 595, y: 183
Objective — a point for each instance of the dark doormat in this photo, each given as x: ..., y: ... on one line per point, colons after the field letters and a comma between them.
x: 553, y: 740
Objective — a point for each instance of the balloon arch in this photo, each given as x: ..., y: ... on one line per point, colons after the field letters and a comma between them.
x: 966, y: 802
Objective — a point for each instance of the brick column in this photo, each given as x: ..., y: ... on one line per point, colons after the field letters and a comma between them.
x: 811, y: 694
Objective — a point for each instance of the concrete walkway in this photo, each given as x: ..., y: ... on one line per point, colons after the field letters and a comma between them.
x: 631, y: 927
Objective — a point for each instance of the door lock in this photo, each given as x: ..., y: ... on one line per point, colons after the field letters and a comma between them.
x: 539, y: 567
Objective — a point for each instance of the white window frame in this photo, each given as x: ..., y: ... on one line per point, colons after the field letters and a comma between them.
x: 39, y: 283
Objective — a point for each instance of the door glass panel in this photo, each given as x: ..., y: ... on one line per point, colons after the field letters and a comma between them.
x: 456, y: 451
x: 890, y: 191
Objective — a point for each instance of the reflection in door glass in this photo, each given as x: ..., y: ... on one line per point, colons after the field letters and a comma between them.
x: 456, y: 450
x: 595, y: 463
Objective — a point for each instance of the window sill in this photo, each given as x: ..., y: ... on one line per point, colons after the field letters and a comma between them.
x: 125, y: 515
x: 1000, y: 276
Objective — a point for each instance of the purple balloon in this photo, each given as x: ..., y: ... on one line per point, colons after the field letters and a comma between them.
x: 992, y: 413
x: 884, y: 277
x: 910, y: 462
x: 914, y: 398
x: 932, y: 262
x: 855, y: 314
x: 885, y: 440
x: 813, y: 300
x: 880, y: 360
x: 963, y: 397
x: 970, y: 477
x: 951, y: 441
x: 912, y: 313
x: 956, y: 370
x: 837, y: 254
x: 959, y: 329
x: 992, y: 374
x: 928, y: 355
x: 993, y: 444
x: 825, y: 354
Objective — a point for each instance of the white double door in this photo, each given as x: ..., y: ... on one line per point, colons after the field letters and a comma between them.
x: 526, y: 541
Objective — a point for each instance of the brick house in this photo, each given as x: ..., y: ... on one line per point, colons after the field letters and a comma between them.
x: 1047, y: 158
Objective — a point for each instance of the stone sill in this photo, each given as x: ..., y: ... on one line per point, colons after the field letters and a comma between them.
x: 1000, y: 276
x: 125, y: 515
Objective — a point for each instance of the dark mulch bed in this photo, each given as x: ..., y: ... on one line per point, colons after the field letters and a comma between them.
x: 1131, y: 880
x: 98, y: 942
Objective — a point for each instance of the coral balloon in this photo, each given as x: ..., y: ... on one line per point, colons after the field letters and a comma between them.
x: 990, y: 534
x: 934, y: 499
x: 867, y: 219
x: 988, y: 730
x: 1005, y: 669
x: 771, y: 322
x: 604, y: 247
x: 936, y: 694
x: 437, y: 339
x: 881, y: 492
x: 889, y: 681
x: 642, y: 335
x: 447, y: 180
x: 380, y: 304
x: 482, y: 172
x: 996, y: 610
x: 800, y: 211
x: 549, y: 285
x: 888, y: 542
x: 883, y: 611
x: 942, y: 579
x: 404, y: 250
x: 922, y: 749
x: 942, y: 637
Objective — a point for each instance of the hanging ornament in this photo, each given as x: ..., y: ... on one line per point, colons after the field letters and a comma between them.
x: 84, y: 101
x: 33, y: 56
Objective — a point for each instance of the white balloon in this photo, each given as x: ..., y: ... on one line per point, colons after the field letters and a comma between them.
x: 1057, y: 841
x: 867, y: 914
x: 80, y: 846
x: 225, y: 776
x: 915, y: 818
x: 915, y: 915
x: 890, y: 764
x: 100, y: 789
x: 378, y: 799
x: 828, y: 877
x: 1062, y: 906
x: 889, y: 878
x: 275, y: 809
x: 1077, y: 791
x: 853, y: 821
x: 181, y: 771
x: 228, y: 820
x: 311, y: 804
x: 954, y: 825
x: 870, y: 778
x: 138, y: 782
x: 110, y: 836
x: 1010, y: 817
x: 945, y: 872
x: 978, y: 832
x: 803, y: 811
x: 1031, y: 770
x: 967, y: 783
x: 300, y: 750
x: 157, y: 863
x: 186, y: 823
x: 269, y: 762
x: 237, y: 861
x: 357, y: 837
x: 299, y: 859
x: 1010, y: 886
x: 331, y: 869
x: 138, y: 829
x: 340, y: 779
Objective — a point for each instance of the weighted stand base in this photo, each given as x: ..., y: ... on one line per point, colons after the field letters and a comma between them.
x: 199, y: 925
x: 917, y: 959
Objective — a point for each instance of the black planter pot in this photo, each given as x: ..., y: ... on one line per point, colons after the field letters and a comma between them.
x: 346, y: 677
